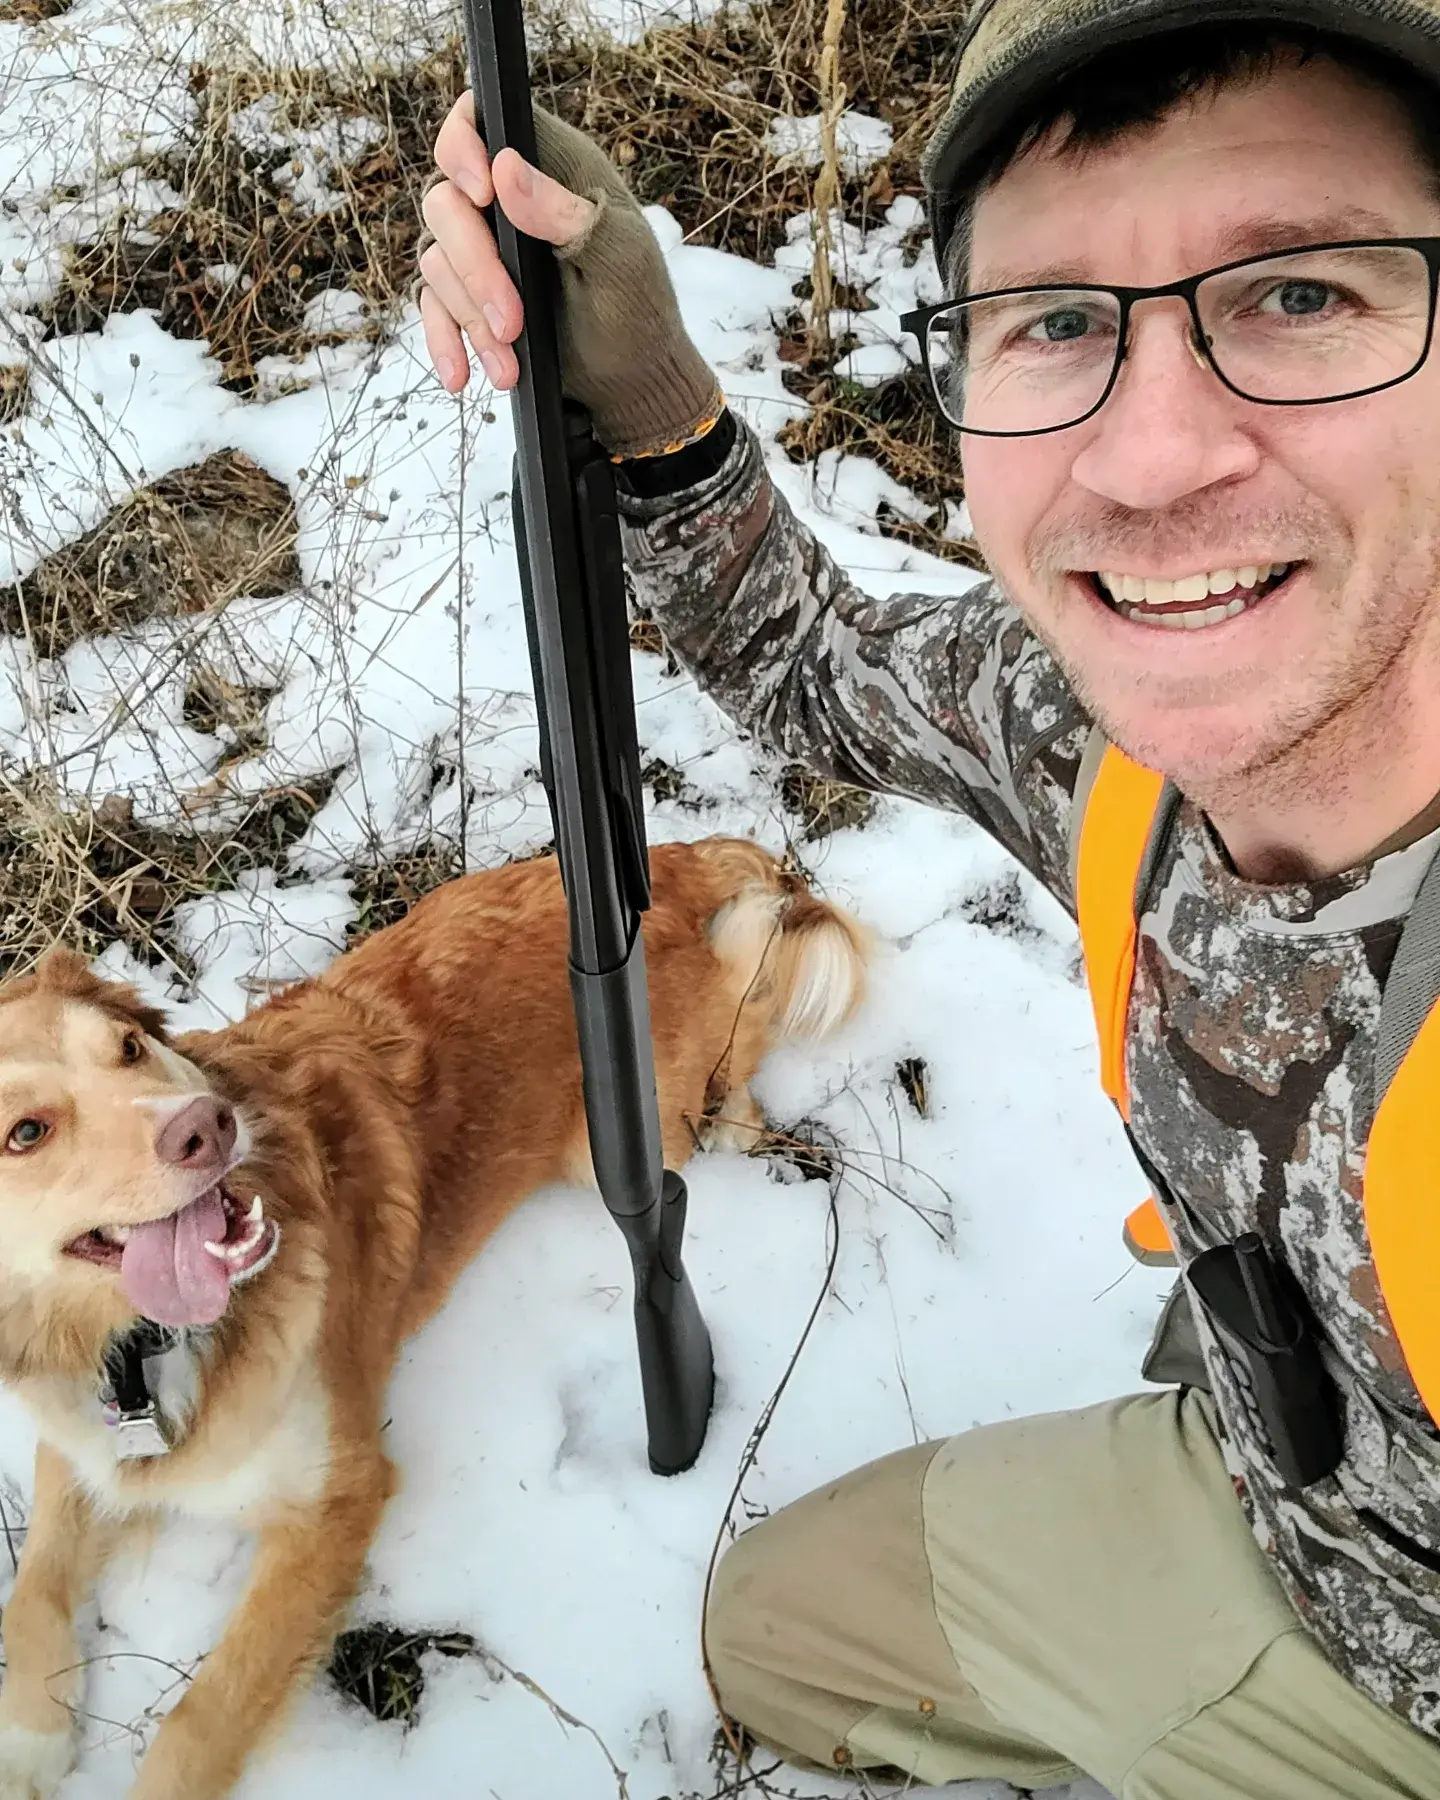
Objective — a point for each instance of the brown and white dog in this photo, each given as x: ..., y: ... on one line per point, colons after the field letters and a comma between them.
x: 293, y: 1196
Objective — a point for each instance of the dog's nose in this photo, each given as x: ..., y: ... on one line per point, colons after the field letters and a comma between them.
x: 200, y: 1137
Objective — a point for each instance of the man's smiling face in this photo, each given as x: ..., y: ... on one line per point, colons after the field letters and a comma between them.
x: 1176, y: 477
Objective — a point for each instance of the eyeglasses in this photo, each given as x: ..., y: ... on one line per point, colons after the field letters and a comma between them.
x: 1302, y: 327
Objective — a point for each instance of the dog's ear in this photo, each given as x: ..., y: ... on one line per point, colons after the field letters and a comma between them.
x: 64, y: 971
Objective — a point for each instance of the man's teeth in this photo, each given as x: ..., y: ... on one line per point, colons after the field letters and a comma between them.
x: 1135, y: 596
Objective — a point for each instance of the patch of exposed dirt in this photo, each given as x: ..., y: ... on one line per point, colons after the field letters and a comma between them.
x: 188, y: 543
x: 379, y: 1667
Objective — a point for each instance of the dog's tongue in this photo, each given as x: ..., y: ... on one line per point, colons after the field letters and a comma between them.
x: 169, y: 1275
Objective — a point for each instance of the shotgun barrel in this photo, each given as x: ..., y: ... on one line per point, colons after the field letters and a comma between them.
x: 572, y: 580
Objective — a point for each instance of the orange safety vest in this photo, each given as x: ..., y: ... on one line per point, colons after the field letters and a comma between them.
x: 1402, y: 1159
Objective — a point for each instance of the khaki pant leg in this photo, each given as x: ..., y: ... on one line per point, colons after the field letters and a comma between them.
x: 1095, y: 1575
x: 1294, y: 1729
x: 824, y: 1642
x: 1027, y: 1600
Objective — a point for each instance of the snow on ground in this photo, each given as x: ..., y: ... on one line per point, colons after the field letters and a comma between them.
x: 979, y: 1270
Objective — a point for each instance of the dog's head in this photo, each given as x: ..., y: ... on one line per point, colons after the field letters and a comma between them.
x: 117, y: 1158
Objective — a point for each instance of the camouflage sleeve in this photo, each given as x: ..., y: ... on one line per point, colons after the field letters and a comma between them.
x: 948, y: 699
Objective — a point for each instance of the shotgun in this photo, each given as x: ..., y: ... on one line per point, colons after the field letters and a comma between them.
x: 567, y: 532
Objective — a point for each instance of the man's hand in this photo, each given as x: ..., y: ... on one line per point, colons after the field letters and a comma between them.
x: 466, y: 287
x: 624, y: 353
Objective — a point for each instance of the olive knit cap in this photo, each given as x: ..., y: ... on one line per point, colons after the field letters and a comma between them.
x: 1012, y: 49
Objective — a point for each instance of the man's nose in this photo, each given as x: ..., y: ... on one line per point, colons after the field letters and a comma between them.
x: 1170, y: 427
x: 200, y: 1137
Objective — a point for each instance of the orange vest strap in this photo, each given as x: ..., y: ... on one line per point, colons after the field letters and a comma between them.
x: 1402, y: 1158
x: 1401, y: 1214
x: 1118, y: 816
x: 1146, y: 1236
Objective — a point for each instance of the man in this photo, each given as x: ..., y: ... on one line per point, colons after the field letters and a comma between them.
x: 1213, y: 518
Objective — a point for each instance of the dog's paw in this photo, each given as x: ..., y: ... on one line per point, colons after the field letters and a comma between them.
x: 33, y: 1763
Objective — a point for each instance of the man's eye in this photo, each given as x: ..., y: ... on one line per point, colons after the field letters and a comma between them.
x: 1064, y: 324
x: 26, y: 1135
x: 132, y: 1047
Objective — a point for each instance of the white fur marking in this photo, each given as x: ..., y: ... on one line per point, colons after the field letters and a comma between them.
x: 33, y: 1763
x: 826, y: 983
x: 289, y: 1464
x: 746, y: 928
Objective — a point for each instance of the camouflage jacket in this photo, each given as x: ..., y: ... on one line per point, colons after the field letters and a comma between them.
x: 1253, y: 1014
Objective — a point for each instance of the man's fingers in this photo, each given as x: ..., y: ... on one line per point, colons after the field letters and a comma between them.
x: 534, y: 203
x: 445, y: 292
x: 470, y: 253
x: 445, y: 343
x: 462, y: 156
x: 537, y: 204
x: 467, y: 292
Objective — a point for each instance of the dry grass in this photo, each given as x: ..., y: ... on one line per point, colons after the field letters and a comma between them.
x: 387, y: 892
x: 912, y: 1074
x: 895, y: 424
x: 687, y: 111
x: 379, y: 1667
x: 87, y: 877
x: 14, y: 391
x: 823, y: 806
x: 186, y: 544
x: 238, y: 263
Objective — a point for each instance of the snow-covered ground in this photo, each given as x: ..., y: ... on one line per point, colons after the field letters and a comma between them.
x: 979, y: 1271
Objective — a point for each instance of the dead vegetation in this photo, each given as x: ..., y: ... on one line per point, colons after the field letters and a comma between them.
x: 295, y: 185
x: 895, y: 424
x: 188, y: 543
x: 380, y: 1668
x: 1001, y: 907
x: 387, y: 891
x: 821, y: 805
x: 298, y: 187
x: 91, y: 875
x: 687, y: 111
x: 14, y: 391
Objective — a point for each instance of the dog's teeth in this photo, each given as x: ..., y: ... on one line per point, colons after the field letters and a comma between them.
x: 256, y: 1212
x: 218, y: 1251
x: 238, y: 1252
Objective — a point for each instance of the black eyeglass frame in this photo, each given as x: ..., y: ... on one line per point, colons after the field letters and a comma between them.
x: 917, y: 325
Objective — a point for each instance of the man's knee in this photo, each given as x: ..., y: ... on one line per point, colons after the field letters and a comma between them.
x: 803, y: 1606
x: 740, y: 1620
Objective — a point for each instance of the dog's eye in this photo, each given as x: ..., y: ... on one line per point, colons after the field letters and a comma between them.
x: 132, y: 1047
x: 26, y: 1135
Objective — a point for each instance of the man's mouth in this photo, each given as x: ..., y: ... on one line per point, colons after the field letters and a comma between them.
x: 179, y: 1270
x: 1193, y: 602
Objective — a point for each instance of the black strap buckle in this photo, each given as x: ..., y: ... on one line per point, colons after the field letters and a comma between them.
x: 140, y: 1427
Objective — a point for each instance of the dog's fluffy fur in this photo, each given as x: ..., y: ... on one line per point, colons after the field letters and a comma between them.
x: 390, y: 1115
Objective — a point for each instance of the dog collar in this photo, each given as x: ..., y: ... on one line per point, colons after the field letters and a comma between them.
x: 130, y: 1408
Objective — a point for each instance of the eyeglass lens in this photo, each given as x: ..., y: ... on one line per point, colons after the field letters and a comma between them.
x: 1305, y: 325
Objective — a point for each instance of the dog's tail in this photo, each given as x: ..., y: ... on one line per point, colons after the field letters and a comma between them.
x: 796, y: 956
